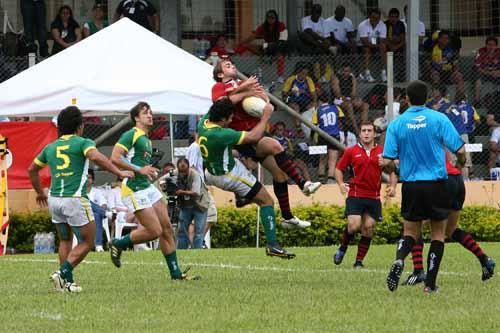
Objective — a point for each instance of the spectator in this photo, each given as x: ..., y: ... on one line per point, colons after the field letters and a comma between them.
x: 97, y: 23
x: 463, y: 117
x: 316, y: 37
x: 65, y: 30
x: 438, y: 100
x: 396, y: 32
x: 487, y: 65
x: 193, y: 202
x: 327, y: 117
x: 280, y: 134
x: 99, y: 206
x: 421, y: 25
x: 372, y: 36
x: 275, y: 37
x: 34, y: 21
x: 444, y: 60
x: 345, y: 90
x: 141, y: 12
x: 347, y: 138
x: 494, y: 148
x: 299, y: 91
x: 220, y: 47
x: 341, y: 31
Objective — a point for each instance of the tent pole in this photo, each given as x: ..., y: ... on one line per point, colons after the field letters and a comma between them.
x: 171, y: 138
x: 113, y: 130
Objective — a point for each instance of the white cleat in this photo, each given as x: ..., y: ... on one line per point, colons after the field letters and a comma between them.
x: 310, y: 187
x: 58, y: 281
x: 72, y: 287
x: 295, y: 222
x: 99, y: 248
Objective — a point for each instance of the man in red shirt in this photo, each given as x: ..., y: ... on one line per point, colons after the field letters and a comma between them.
x: 363, y: 207
x: 487, y: 65
x: 267, y: 151
x: 456, y: 187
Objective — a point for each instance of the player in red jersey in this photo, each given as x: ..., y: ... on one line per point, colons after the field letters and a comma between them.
x: 456, y: 187
x: 363, y: 207
x: 267, y: 151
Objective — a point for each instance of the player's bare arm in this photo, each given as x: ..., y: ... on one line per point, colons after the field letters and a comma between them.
x: 118, y: 159
x: 98, y: 158
x: 33, y: 171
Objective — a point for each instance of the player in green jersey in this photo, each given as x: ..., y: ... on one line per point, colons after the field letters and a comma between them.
x: 216, y: 142
x: 133, y: 152
x: 68, y: 159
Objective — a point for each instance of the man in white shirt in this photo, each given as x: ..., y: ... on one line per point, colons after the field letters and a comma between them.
x: 341, y: 31
x: 99, y: 205
x: 316, y: 39
x: 421, y: 25
x: 494, y: 148
x: 372, y: 36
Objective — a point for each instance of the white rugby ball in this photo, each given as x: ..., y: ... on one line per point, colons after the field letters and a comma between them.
x: 380, y: 124
x: 254, y: 106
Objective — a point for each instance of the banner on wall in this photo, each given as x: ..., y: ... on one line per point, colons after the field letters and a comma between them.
x: 25, y: 141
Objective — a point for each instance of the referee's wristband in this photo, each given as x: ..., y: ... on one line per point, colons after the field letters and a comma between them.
x: 130, y: 164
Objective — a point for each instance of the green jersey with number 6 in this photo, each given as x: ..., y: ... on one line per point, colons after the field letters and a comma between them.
x: 139, y: 152
x: 216, y: 146
x: 66, y: 158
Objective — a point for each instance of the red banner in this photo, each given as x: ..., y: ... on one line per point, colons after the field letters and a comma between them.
x: 25, y: 141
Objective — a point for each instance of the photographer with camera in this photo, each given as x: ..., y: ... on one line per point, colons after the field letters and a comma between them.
x: 192, y: 196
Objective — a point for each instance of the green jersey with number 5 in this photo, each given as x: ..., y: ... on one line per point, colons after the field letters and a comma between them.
x: 216, y: 145
x: 66, y: 158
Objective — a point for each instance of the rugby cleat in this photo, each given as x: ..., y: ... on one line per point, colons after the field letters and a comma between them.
x: 395, y: 274
x: 295, y: 222
x: 116, y: 254
x: 186, y: 277
x: 310, y: 187
x: 338, y: 257
x: 72, y: 287
x: 488, y: 269
x: 415, y: 278
x: 278, y: 251
x: 58, y: 281
x: 358, y: 265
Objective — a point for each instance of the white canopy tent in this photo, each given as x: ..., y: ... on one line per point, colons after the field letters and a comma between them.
x: 108, y: 73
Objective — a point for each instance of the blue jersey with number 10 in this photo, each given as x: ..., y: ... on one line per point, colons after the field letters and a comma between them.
x: 327, y: 118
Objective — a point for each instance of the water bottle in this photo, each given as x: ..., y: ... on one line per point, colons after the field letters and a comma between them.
x: 197, y: 47
x: 205, y: 46
x: 44, y: 244
x: 51, y: 242
x: 37, y: 244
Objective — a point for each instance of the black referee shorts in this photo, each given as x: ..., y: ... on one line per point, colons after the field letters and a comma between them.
x: 426, y: 200
x: 456, y: 187
x: 360, y: 206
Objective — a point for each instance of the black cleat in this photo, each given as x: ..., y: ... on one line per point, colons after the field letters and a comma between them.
x: 186, y: 277
x: 358, y: 264
x: 338, y: 257
x: 278, y: 251
x: 395, y: 274
x: 116, y: 253
x: 415, y: 278
x: 488, y: 269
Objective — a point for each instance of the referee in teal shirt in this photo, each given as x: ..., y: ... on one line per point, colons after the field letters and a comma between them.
x: 418, y: 138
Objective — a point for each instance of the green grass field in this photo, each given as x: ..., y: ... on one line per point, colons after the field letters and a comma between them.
x: 242, y: 290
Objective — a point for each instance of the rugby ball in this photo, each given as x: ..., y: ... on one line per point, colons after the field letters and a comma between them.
x: 254, y: 106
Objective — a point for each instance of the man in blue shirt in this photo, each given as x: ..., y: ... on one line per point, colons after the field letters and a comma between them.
x: 418, y: 139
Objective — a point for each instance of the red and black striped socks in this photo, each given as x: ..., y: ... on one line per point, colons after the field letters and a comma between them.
x: 363, y: 246
x: 470, y: 244
x: 288, y: 167
x: 281, y: 192
x: 416, y: 255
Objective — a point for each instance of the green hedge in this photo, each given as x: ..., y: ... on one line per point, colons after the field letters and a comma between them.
x: 236, y: 227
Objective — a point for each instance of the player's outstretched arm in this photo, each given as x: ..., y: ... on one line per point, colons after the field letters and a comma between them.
x: 98, y: 158
x: 118, y: 159
x: 34, y: 174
